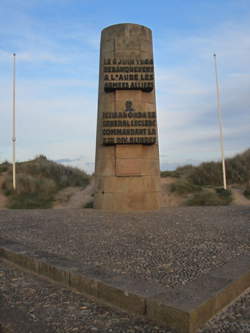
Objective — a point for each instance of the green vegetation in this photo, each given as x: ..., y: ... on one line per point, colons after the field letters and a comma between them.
x: 4, y: 166
x: 183, y: 186
x: 89, y: 204
x: 210, y: 198
x: 247, y: 191
x: 30, y: 201
x: 38, y: 181
x: 209, y: 173
x: 168, y: 173
x: 182, y: 171
x: 199, y: 184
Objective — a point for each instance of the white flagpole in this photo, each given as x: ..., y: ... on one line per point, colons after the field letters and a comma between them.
x: 14, y: 122
x: 220, y: 125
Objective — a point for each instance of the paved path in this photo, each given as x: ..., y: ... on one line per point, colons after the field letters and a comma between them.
x: 74, y: 197
x: 169, y: 247
x: 239, y: 198
x: 30, y: 304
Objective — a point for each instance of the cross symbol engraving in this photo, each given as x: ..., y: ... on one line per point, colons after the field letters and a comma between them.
x: 129, y: 106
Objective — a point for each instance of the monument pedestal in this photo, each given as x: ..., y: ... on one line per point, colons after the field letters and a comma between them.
x: 127, y: 171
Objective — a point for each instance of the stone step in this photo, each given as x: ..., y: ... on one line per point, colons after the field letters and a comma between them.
x: 184, y: 309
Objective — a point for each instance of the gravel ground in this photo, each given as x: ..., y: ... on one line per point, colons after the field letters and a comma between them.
x: 30, y: 304
x: 234, y: 319
x: 169, y: 247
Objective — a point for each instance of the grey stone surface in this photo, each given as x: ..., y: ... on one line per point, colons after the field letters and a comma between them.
x: 185, y: 308
x: 31, y: 304
x: 168, y: 248
x: 42, y: 234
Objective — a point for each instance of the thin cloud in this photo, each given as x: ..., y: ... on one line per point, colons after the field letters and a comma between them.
x: 187, y: 97
x: 57, y: 83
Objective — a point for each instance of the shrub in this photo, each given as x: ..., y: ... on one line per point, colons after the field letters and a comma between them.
x: 182, y: 186
x: 30, y: 201
x: 29, y: 184
x: 223, y: 193
x: 89, y: 204
x: 5, y: 166
x: 210, y: 173
x: 247, y: 191
x: 168, y: 173
x: 62, y: 176
x: 247, y: 194
x: 182, y: 171
x: 31, y: 191
x: 185, y: 170
x: 207, y: 198
x: 38, y: 180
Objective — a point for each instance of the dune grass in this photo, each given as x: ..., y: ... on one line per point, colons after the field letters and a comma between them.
x: 37, y: 182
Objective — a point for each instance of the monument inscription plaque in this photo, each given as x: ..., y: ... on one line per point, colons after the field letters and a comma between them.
x: 128, y: 126
x: 127, y: 158
x: 128, y: 74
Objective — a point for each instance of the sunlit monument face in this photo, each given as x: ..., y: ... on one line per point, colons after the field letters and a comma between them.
x: 127, y: 158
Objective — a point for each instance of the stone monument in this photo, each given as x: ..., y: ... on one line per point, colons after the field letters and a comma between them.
x: 127, y: 174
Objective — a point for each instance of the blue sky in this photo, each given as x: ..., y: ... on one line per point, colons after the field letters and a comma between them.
x: 57, y: 46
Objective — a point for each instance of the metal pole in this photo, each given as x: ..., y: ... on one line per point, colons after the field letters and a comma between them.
x: 220, y: 125
x: 14, y: 123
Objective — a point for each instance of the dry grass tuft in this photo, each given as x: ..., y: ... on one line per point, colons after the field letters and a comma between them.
x: 38, y: 181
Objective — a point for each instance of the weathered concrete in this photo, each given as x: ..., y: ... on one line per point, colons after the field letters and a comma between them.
x: 127, y: 174
x: 169, y: 247
x: 190, y: 307
x: 185, y: 309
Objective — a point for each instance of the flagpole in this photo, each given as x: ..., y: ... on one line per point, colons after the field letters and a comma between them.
x: 219, y: 113
x: 14, y: 123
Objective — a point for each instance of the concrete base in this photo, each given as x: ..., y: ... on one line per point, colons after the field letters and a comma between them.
x: 185, y: 309
x: 127, y: 178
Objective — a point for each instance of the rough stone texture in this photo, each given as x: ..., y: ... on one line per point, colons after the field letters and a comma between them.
x: 169, y: 247
x: 188, y: 308
x: 234, y: 319
x: 31, y: 304
x: 127, y: 176
x: 185, y: 308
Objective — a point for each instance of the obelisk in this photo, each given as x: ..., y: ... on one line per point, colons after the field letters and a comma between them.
x: 127, y: 174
